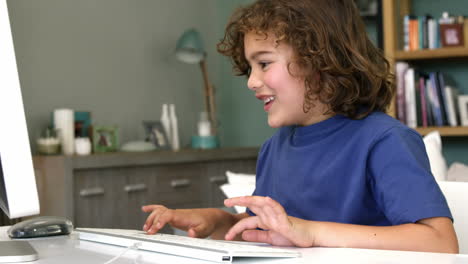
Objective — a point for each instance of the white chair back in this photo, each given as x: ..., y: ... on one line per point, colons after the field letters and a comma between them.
x: 456, y: 194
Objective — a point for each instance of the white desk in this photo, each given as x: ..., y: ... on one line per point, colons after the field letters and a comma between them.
x: 70, y: 250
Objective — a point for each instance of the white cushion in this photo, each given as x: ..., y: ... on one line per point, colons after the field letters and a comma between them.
x: 457, y: 172
x: 433, y: 143
x: 455, y: 193
x: 239, y: 184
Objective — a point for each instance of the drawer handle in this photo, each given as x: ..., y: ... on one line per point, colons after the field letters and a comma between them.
x: 91, y: 192
x: 138, y: 187
x: 218, y: 179
x: 180, y: 183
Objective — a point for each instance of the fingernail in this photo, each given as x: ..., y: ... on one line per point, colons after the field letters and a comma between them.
x: 158, y: 225
x: 145, y: 227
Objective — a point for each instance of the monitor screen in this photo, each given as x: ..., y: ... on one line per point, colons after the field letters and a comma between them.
x: 18, y: 192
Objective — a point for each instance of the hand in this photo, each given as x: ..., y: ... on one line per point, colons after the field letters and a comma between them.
x: 197, y: 222
x: 279, y: 229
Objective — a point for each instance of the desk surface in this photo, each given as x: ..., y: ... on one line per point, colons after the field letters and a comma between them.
x: 68, y: 249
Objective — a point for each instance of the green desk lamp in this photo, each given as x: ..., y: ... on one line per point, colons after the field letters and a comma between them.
x: 190, y: 50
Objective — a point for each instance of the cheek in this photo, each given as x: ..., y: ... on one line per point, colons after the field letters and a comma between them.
x: 285, y: 86
x: 278, y: 78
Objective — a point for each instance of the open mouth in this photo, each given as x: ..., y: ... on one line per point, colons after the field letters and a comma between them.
x: 268, y: 100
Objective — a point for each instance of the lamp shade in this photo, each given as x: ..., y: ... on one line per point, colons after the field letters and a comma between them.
x: 189, y: 47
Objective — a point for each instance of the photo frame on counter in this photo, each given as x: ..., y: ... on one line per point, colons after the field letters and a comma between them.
x: 82, y: 124
x: 105, y: 138
x: 463, y: 109
x: 156, y: 133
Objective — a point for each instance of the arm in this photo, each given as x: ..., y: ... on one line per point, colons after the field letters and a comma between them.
x: 431, y: 234
x: 197, y: 222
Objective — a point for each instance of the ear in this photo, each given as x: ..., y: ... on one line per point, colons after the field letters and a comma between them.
x: 317, y: 76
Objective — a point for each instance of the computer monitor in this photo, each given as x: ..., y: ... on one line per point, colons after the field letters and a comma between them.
x: 18, y: 192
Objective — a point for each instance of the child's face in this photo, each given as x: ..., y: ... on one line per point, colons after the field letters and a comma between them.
x: 270, y: 79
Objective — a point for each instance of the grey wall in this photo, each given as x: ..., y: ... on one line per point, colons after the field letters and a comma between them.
x: 243, y: 120
x: 113, y: 58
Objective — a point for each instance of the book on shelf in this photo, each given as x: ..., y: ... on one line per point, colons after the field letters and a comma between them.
x: 401, y: 68
x: 422, y: 96
x: 452, y: 113
x: 410, y: 98
x: 429, y: 112
x: 432, y: 33
x: 435, y: 100
x: 427, y: 32
x: 441, y: 93
x: 424, y: 100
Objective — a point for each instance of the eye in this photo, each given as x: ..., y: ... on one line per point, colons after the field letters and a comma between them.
x: 248, y: 72
x: 263, y: 64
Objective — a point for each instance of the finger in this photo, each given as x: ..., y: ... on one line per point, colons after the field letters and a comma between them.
x: 149, y: 221
x: 149, y: 208
x: 261, y: 206
x: 257, y: 236
x: 240, y: 201
x: 152, y: 220
x: 248, y: 201
x: 154, y: 209
x: 157, y: 222
x: 165, y: 217
x: 239, y: 227
x: 269, y: 215
x: 266, y: 237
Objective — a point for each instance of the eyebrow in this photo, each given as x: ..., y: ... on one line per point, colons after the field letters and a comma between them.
x: 256, y: 54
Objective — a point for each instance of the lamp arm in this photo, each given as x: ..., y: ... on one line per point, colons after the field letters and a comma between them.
x: 210, y: 105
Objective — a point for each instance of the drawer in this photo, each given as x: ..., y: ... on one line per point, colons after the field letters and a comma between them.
x: 180, y: 184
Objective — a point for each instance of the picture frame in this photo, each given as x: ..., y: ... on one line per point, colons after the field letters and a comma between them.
x: 367, y: 8
x: 451, y: 35
x: 463, y: 109
x: 105, y: 139
x: 156, y: 133
x: 82, y: 124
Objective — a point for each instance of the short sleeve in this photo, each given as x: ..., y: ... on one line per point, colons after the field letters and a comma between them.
x: 401, y: 180
x: 263, y: 152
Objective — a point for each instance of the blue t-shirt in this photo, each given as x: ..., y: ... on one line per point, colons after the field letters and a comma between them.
x: 373, y: 171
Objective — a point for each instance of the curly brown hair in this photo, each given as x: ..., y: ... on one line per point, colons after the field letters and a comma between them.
x: 329, y: 38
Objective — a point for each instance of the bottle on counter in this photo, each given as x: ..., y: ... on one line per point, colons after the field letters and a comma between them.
x: 204, y: 125
x: 166, y: 121
x: 174, y: 137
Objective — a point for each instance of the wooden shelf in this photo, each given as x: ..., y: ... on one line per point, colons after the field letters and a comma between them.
x: 455, y: 52
x: 393, y: 13
x: 445, y: 131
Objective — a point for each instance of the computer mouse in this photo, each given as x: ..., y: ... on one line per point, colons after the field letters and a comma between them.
x: 41, y: 226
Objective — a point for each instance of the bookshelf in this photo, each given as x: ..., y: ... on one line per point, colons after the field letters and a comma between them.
x: 442, y: 53
x: 393, y: 12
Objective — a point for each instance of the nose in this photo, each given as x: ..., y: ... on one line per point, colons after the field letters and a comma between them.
x: 254, y: 82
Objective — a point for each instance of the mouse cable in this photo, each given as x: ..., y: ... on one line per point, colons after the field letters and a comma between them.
x: 134, y: 246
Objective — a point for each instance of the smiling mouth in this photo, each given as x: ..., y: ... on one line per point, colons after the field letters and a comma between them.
x: 268, y: 100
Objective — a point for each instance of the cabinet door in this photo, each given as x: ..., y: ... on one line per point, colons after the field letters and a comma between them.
x: 95, y: 201
x: 137, y: 190
x: 112, y: 198
x: 180, y: 185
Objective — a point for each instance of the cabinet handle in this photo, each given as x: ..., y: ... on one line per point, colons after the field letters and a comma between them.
x: 91, y: 192
x: 180, y: 183
x: 218, y: 179
x: 138, y: 187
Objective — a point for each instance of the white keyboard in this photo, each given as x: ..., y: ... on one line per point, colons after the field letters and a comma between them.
x: 205, y: 249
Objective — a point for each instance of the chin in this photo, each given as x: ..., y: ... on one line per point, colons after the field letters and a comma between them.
x: 274, y: 123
